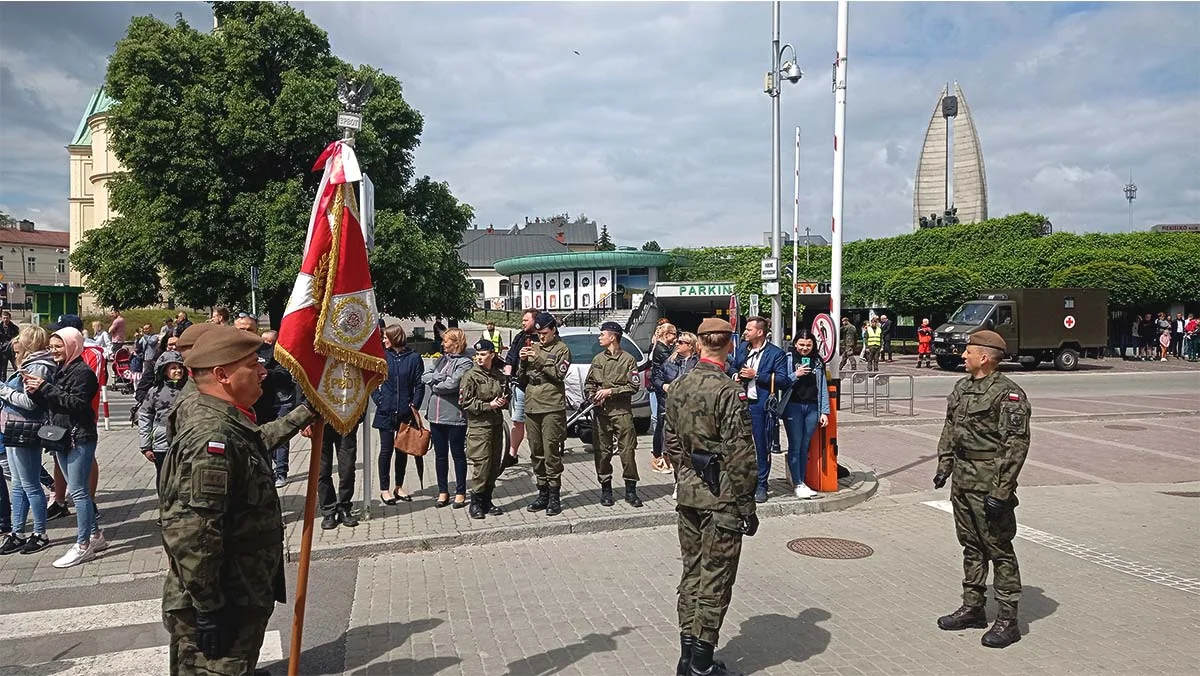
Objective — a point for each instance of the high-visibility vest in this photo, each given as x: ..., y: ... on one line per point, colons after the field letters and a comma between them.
x: 874, y: 337
x: 493, y: 336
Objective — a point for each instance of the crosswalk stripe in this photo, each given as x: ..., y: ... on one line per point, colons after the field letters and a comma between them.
x: 82, y: 618
x: 145, y: 661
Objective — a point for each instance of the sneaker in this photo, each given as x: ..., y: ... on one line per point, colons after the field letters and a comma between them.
x: 35, y: 543
x: 57, y: 510
x: 280, y: 482
x: 76, y: 555
x: 98, y: 543
x: 803, y: 492
x: 12, y: 544
x: 675, y: 492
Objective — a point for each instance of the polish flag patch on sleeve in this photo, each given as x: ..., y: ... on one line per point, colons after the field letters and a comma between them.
x: 1013, y: 396
x: 216, y: 448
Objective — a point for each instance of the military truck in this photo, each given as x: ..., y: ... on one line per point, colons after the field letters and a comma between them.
x: 1039, y: 325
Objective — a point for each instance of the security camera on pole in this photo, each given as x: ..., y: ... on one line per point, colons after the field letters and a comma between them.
x: 790, y: 71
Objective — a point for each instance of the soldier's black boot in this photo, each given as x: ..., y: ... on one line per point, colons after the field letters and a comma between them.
x: 966, y: 617
x: 1002, y: 634
x: 476, y: 510
x: 703, y: 663
x: 554, y: 507
x: 686, y: 643
x: 606, y: 496
x: 631, y: 495
x: 542, y: 501
x: 489, y: 506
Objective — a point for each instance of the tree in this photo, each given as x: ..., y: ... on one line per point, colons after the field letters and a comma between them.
x: 218, y: 133
x: 5, y: 219
x: 605, y: 242
x: 651, y: 246
x: 1128, y: 285
x: 934, y: 289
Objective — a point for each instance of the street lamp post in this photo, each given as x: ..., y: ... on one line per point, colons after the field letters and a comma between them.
x: 1130, y: 196
x: 790, y: 71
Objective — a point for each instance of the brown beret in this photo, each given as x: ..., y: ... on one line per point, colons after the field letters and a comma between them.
x: 988, y: 339
x: 221, y: 345
x: 191, y: 334
x: 714, y: 325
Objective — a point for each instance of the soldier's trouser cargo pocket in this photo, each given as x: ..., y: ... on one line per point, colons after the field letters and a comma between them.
x: 711, y: 546
x: 248, y: 627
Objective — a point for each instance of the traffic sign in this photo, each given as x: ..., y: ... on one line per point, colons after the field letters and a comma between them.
x: 769, y: 268
x: 733, y: 311
x: 825, y: 332
x: 754, y: 304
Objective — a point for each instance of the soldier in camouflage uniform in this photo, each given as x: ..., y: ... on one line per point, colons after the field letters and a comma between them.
x: 482, y: 394
x: 610, y: 384
x: 541, y: 373
x: 709, y: 441
x: 222, y: 527
x: 984, y: 443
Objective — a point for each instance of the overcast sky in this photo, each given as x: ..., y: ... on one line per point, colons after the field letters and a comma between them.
x: 659, y: 127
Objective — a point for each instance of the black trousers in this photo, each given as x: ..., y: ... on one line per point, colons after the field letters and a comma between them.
x: 347, y: 456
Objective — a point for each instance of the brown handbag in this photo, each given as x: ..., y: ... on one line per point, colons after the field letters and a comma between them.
x: 412, y: 438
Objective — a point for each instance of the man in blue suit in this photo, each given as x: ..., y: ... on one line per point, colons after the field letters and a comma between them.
x: 754, y: 362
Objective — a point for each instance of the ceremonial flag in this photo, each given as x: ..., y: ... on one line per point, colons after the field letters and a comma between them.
x: 329, y: 338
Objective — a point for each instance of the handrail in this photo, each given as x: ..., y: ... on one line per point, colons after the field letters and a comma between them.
x: 639, y: 314
x: 590, y: 315
x: 882, y: 382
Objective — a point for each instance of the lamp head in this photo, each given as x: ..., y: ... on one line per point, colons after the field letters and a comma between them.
x: 791, y: 72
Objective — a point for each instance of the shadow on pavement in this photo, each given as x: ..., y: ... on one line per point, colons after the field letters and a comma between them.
x: 1035, y: 605
x: 767, y: 641
x: 558, y: 659
x: 380, y: 638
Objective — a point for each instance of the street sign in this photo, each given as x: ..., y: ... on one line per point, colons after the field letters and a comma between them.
x: 769, y: 268
x: 825, y: 332
x: 754, y: 304
x: 733, y: 311
x: 770, y: 288
x: 349, y: 121
x: 253, y: 276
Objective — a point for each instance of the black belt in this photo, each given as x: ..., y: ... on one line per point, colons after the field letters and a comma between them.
x: 974, y: 455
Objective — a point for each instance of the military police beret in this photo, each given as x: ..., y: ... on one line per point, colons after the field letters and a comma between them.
x: 221, y: 345
x: 988, y: 339
x: 612, y: 326
x: 192, y: 334
x: 714, y: 325
x: 544, y: 320
x: 485, y: 345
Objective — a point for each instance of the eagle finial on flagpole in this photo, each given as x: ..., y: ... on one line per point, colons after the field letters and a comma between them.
x: 353, y: 95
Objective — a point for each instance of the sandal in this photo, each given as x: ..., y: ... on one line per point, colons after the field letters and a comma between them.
x: 401, y: 498
x: 387, y: 500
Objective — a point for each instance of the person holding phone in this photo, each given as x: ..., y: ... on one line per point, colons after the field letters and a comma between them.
x: 807, y: 407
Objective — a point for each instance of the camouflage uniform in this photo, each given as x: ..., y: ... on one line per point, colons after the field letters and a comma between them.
x: 222, y: 530
x: 546, y: 408
x: 614, y: 417
x: 485, y: 426
x: 707, y: 412
x: 984, y: 442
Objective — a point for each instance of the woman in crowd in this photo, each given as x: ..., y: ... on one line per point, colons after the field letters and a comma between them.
x: 483, y: 396
x: 20, y: 420
x: 169, y: 378
x: 660, y: 351
x: 807, y: 407
x: 395, y: 400
x: 682, y: 359
x: 68, y: 399
x: 447, y: 423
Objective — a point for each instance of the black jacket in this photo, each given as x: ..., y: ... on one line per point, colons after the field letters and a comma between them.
x: 279, y: 389
x: 69, y: 400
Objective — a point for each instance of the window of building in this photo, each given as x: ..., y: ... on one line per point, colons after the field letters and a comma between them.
x: 478, y: 286
x: 32, y: 262
x: 504, y: 288
x: 62, y: 266
x: 1, y: 263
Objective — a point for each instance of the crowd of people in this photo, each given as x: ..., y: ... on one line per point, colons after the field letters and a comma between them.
x: 1156, y: 338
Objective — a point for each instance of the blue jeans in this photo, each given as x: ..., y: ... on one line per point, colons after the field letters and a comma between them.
x: 762, y: 446
x: 450, y: 440
x: 5, y: 506
x: 27, y: 493
x: 801, y: 423
x: 77, y: 466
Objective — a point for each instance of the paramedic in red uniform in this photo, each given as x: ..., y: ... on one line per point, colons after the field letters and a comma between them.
x: 925, y: 344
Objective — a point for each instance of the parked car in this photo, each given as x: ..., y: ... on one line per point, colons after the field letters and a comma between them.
x: 584, y: 345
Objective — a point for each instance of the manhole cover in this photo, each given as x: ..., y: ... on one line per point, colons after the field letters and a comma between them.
x: 1127, y: 428
x: 1180, y: 494
x: 830, y: 548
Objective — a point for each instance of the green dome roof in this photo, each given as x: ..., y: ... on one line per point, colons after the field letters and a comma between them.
x: 99, y: 103
x: 582, y: 260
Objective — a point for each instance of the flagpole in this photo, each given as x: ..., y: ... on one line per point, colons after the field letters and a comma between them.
x: 796, y: 234
x: 310, y: 513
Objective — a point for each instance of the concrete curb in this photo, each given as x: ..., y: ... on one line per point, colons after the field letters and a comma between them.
x: 1083, y: 417
x: 860, y: 486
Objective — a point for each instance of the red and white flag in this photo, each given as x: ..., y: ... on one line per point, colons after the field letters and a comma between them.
x: 329, y: 338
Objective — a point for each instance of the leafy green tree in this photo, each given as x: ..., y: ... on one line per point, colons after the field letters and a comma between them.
x: 1128, y: 285
x: 605, y: 242
x: 934, y: 289
x: 652, y: 245
x: 218, y: 133
x: 5, y: 219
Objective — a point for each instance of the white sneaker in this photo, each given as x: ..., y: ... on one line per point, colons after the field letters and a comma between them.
x: 803, y: 492
x: 675, y: 492
x: 98, y: 543
x: 1163, y: 359
x: 76, y: 555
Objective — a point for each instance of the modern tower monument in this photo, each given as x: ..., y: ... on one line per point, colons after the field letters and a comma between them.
x: 951, y: 141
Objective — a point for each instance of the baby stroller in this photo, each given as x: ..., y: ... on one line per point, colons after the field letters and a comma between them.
x: 123, y: 371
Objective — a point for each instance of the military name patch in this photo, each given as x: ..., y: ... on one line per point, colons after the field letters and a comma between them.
x: 214, y: 481
x: 216, y: 448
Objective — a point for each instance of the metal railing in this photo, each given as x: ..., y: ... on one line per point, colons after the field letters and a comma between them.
x: 882, y: 390
x: 591, y: 316
x: 860, y: 388
x: 639, y: 313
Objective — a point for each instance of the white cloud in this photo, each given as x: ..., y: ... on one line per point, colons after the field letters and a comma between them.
x: 659, y: 128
